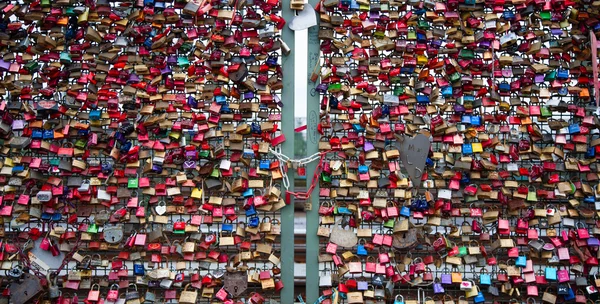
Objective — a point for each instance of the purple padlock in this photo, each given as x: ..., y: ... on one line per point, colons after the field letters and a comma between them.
x: 133, y: 78
x: 249, y: 95
x: 539, y: 78
x: 4, y: 66
x: 165, y: 70
x: 192, y: 155
x: 446, y: 278
x: 368, y: 146
x: 438, y: 288
x: 362, y: 285
x: 593, y: 242
x: 189, y: 164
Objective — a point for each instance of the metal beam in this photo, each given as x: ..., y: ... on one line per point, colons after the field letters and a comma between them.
x: 312, y: 119
x: 287, y: 128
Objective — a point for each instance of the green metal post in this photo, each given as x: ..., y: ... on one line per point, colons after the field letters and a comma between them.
x: 312, y: 119
x: 287, y: 127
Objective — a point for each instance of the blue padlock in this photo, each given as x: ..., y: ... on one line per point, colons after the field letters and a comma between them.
x: 485, y: 279
x: 253, y: 222
x: 192, y: 102
x: 272, y: 60
x: 362, y: 169
x: 447, y: 91
x: 138, y: 269
x: 37, y: 134
x: 220, y: 100
x: 466, y: 119
x: 265, y: 164
x: 354, y: 5
x: 343, y: 211
x: 385, y: 110
x: 467, y: 149
x: 251, y: 211
x: 508, y: 15
x: 248, y: 193
x: 225, y: 109
x: 562, y: 74
x: 570, y: 296
x: 358, y: 127
x: 590, y: 153
x: 589, y: 199
x: 422, y: 99
x: 95, y: 115
x: 574, y: 128
x: 479, y: 298
x: 476, y: 120
x: 550, y: 273
x: 48, y: 134
x: 361, y: 250
x: 255, y: 128
x: 405, y: 211
x: 248, y: 153
x: 107, y: 167
x: 521, y: 261
x: 227, y: 227
x: 399, y: 299
x: 18, y: 169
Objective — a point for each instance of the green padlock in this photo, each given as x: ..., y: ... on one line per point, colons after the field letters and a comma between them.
x: 334, y: 87
x: 379, y: 34
x: 45, y: 3
x: 70, y: 11
x: 32, y: 66
x: 132, y: 183
x: 462, y: 250
x: 398, y: 91
x: 545, y: 111
x: 183, y: 62
x: 545, y: 15
x: 186, y: 47
x: 80, y: 143
x: 92, y: 228
x: 455, y: 77
x: 54, y: 162
x: 389, y: 223
x: 326, y: 178
x: 550, y: 76
x: 204, y: 153
x: 466, y: 54
x: 215, y: 173
x: 532, y: 194
x: 412, y: 35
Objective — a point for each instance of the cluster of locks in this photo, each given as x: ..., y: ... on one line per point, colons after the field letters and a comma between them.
x: 135, y: 139
x: 506, y: 206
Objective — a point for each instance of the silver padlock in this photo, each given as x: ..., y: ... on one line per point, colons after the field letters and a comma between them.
x: 53, y: 290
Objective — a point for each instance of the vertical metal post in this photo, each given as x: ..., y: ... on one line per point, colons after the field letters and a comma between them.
x: 287, y: 128
x: 312, y: 120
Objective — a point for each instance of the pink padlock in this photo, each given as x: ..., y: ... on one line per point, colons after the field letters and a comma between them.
x: 563, y: 276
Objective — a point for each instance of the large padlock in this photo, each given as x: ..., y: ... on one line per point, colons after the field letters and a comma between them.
x: 26, y: 289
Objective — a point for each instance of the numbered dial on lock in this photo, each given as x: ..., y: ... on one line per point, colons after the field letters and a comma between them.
x: 161, y: 208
